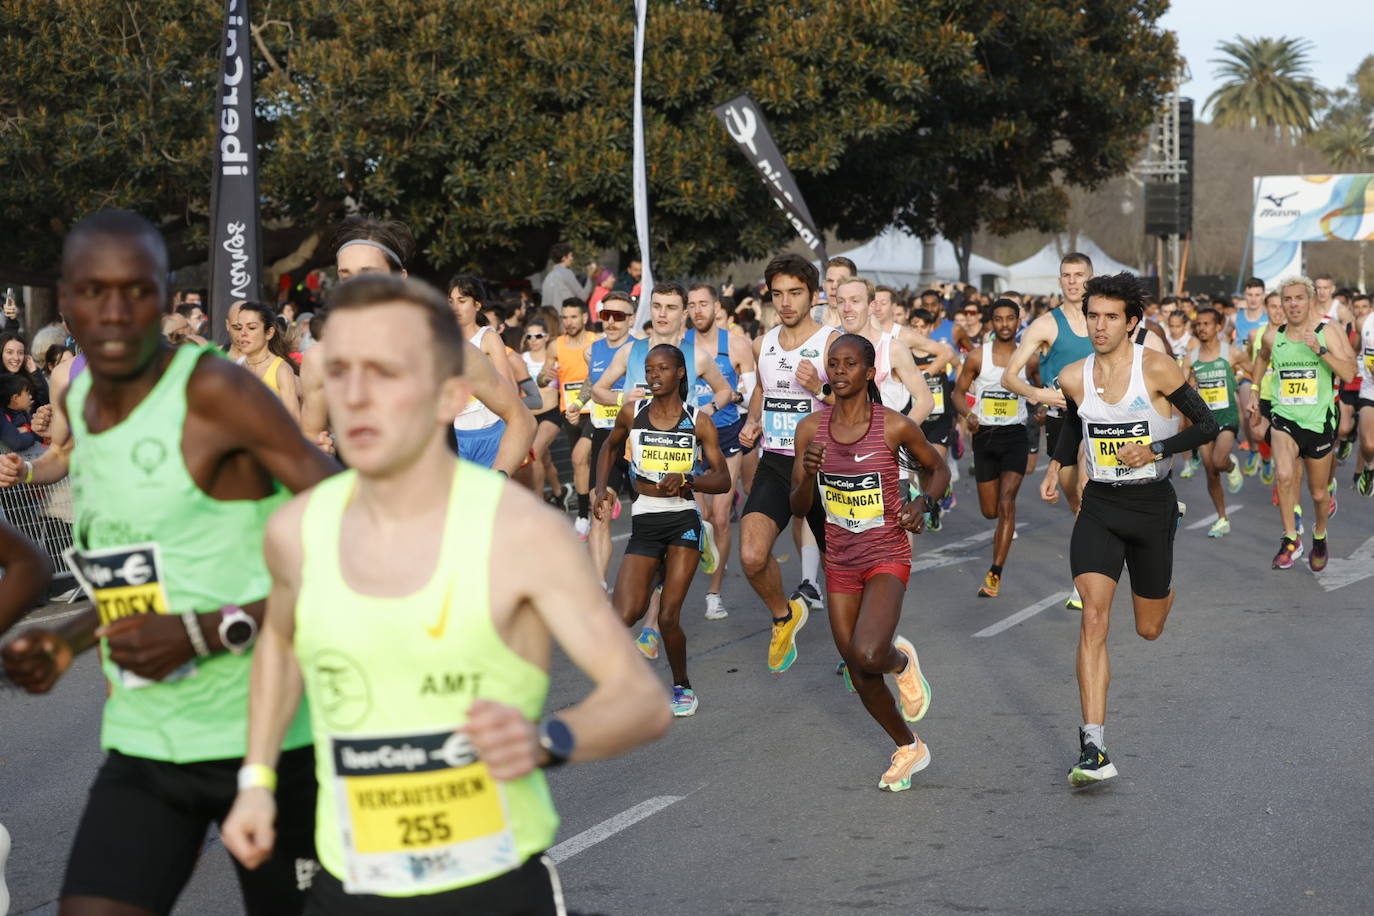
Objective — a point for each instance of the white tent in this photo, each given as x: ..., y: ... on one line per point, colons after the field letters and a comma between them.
x: 894, y: 259
x: 1039, y: 273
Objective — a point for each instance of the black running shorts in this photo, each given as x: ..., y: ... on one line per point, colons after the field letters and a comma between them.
x: 582, y: 429
x: 652, y: 533
x: 771, y: 495
x: 552, y: 415
x: 1310, y: 444
x: 533, y: 889
x: 999, y: 449
x: 1053, y: 425
x: 1132, y: 526
x: 1032, y: 437
x: 939, y: 429
x: 145, y: 821
x: 620, y: 468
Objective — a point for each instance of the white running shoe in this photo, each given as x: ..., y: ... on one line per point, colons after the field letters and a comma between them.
x: 4, y: 854
x: 582, y: 526
x: 710, y: 556
x: 1075, y: 602
x: 715, y: 608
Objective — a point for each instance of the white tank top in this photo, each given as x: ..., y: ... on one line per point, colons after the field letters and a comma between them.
x: 1366, y: 357
x: 534, y: 367
x: 1107, y: 427
x: 785, y: 402
x: 476, y: 415
x: 996, y: 406
x: 893, y: 392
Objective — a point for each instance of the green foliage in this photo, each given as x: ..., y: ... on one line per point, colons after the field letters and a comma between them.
x: 1266, y: 85
x: 496, y: 128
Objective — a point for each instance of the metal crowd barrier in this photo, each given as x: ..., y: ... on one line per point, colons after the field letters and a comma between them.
x: 44, y: 513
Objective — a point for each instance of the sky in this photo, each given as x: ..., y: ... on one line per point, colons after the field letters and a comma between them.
x: 1338, y: 30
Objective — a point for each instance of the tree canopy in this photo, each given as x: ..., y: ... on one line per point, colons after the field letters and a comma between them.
x: 1267, y: 85
x: 496, y: 128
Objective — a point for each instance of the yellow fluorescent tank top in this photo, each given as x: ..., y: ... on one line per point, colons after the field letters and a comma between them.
x: 405, y: 806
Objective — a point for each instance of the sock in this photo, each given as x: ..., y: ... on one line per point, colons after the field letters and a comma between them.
x: 584, y: 504
x: 811, y: 564
x: 995, y: 569
x: 1093, y: 735
x: 1318, y: 537
x: 685, y: 684
x: 779, y: 621
x: 1265, y: 451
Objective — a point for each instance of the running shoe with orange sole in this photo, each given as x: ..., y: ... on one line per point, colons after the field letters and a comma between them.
x: 912, y: 686
x: 992, y: 584
x: 906, y: 761
x: 782, y: 646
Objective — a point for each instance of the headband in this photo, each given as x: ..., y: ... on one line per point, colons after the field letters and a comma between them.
x: 391, y: 255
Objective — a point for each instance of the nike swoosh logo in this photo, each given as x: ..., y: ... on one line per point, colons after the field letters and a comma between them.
x: 862, y: 457
x: 437, y: 630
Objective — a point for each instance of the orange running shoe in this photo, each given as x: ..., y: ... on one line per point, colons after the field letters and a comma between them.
x: 906, y: 760
x: 991, y: 584
x: 912, y: 686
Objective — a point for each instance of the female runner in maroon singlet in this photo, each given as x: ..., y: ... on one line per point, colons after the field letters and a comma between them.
x: 851, y: 451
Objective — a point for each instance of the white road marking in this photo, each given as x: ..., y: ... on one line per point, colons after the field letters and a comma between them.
x: 610, y: 827
x: 1207, y: 522
x: 1023, y: 614
x: 1342, y: 572
x: 944, y: 555
x: 620, y: 537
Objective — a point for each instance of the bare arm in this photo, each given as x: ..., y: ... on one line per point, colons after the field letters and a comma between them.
x: 904, y: 367
x: 804, y: 470
x: 286, y: 384
x: 1042, y: 332
x: 717, y: 478
x: 602, y: 392
x: 314, y: 412
x: 496, y: 352
x: 972, y: 366
x: 500, y: 397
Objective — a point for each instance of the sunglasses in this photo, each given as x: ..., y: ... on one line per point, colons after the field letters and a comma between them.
x: 535, y: 336
x: 614, y: 316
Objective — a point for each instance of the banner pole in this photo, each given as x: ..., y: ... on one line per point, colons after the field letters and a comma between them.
x: 641, y: 179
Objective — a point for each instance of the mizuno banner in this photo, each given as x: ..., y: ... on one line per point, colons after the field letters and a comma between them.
x: 235, y: 246
x: 745, y: 124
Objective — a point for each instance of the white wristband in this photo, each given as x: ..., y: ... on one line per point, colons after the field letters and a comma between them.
x: 192, y: 621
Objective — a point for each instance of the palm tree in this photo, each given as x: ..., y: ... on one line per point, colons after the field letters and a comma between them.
x: 1349, y: 145
x: 1266, y: 85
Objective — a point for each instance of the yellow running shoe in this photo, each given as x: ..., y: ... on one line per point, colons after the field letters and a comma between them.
x: 782, y: 647
x: 912, y: 685
x: 991, y: 584
x: 906, y: 760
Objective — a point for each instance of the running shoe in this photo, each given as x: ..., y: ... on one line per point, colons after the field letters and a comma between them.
x: 569, y: 499
x: 615, y: 509
x: 1250, y: 466
x: 1219, y: 528
x: 782, y: 647
x: 1331, y: 506
x: 912, y: 687
x: 715, y: 608
x: 1182, y: 511
x: 710, y: 557
x: 582, y: 526
x: 648, y: 642
x: 4, y: 854
x: 1234, y: 478
x: 1092, y: 767
x: 933, y: 522
x: 1267, y: 472
x: 1297, y: 520
x: 949, y: 501
x: 808, y: 593
x: 992, y: 582
x: 684, y: 701
x: 1343, y: 450
x: 1290, y: 550
x: 1364, y: 482
x: 1273, y: 495
x: 1319, y: 554
x: 958, y: 444
x: 843, y: 669
x: 1189, y: 468
x: 1331, y: 484
x: 1075, y: 602
x: 555, y: 499
x: 906, y: 761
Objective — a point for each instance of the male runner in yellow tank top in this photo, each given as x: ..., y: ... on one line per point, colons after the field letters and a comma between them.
x: 393, y: 400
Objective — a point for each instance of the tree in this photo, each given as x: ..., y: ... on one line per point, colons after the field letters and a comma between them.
x: 1266, y: 85
x: 1349, y: 145
x: 496, y: 128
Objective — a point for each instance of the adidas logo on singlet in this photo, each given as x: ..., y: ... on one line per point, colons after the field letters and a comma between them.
x: 1138, y: 404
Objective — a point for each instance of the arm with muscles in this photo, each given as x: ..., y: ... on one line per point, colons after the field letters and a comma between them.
x: 602, y: 392
x: 809, y: 378
x: 972, y: 366
x: 1260, y: 367
x: 602, y: 498
x: 290, y: 397
x: 627, y: 706
x: 804, y: 471
x: 753, y: 415
x: 1040, y: 333
x: 904, y: 367
x: 500, y: 397
x: 314, y: 411
x: 275, y: 690
x: 31, y: 660
x: 722, y: 394
x: 1070, y: 431
x: 933, y: 474
x: 495, y: 350
x: 717, y: 477
x: 1162, y: 375
x: 746, y: 367
x: 52, y: 424
x: 1339, y: 356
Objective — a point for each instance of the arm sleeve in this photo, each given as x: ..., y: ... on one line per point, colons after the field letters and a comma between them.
x: 1070, y: 435
x: 1204, y: 429
x: 529, y: 392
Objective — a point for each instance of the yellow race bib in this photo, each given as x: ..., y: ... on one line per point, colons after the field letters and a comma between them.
x: 854, y: 502
x: 1297, y: 387
x: 1106, y: 439
x: 1214, y: 393
x: 936, y: 384
x: 997, y: 407
x: 658, y: 453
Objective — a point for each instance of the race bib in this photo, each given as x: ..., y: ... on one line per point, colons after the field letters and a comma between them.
x: 852, y: 501
x: 417, y: 813
x: 603, y: 415
x: 780, y: 419
x: 1214, y: 393
x: 124, y: 582
x: 656, y: 453
x: 997, y: 407
x: 1106, y: 439
x: 571, y: 390
x: 1297, y: 387
x: 936, y: 384
x: 1369, y: 362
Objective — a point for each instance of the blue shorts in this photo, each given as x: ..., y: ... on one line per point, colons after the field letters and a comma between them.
x: 481, y: 445
x: 729, y: 438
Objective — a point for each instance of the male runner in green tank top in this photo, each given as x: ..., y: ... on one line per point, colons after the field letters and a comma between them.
x: 425, y: 661
x: 1306, y: 355
x: 1212, y: 369
x: 175, y: 462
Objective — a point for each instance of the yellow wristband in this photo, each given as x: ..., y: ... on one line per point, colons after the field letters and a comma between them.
x: 257, y: 776
x: 620, y: 399
x: 28, y: 472
x: 575, y: 404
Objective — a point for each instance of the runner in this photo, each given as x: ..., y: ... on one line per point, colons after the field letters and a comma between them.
x: 735, y: 358
x: 837, y: 270
x: 568, y: 365
x: 1364, y: 475
x: 549, y: 418
x: 400, y: 605
x: 1060, y: 336
x: 176, y: 458
x: 263, y: 352
x: 1128, y: 400
x: 617, y: 311
x: 998, y: 421
x: 901, y: 384
x: 851, y: 453
x: 1213, y: 367
x: 477, y: 429
x: 790, y: 358
x: 669, y: 441
x: 1307, y: 353
x: 939, y: 364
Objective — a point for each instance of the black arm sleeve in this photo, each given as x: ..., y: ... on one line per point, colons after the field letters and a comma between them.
x: 1204, y: 428
x: 1070, y: 435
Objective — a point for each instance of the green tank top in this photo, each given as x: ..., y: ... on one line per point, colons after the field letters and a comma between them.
x: 1266, y: 382
x: 1302, y: 382
x: 1216, y: 383
x: 148, y: 540
x: 405, y: 807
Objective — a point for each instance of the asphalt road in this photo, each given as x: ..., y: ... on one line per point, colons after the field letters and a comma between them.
x: 1242, y: 736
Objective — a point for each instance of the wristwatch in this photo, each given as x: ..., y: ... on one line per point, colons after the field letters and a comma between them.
x: 1157, y: 449
x: 556, y: 739
x: 237, y: 630
x: 1322, y: 351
